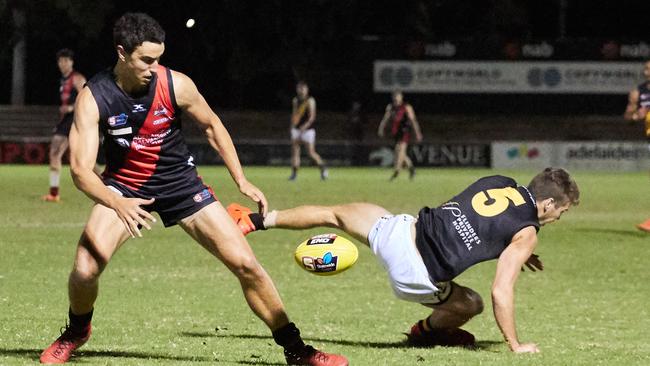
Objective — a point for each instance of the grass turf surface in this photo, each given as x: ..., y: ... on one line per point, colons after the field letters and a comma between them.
x: 165, y: 301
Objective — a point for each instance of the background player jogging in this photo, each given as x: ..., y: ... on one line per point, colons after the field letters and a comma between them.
x: 492, y: 218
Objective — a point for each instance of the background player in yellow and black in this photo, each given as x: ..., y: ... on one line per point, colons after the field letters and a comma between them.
x: 303, y: 116
x: 637, y: 109
x: 70, y: 85
x: 492, y: 218
x: 403, y: 126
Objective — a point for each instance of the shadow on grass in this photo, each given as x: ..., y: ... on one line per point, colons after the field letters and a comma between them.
x: 480, y: 345
x: 34, y: 354
x: 631, y: 232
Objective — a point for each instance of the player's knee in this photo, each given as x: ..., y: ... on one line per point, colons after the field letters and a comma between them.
x: 474, y: 302
x: 247, y: 269
x: 84, y: 275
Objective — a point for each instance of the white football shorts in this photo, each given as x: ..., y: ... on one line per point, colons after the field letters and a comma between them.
x: 307, y: 137
x: 391, y: 241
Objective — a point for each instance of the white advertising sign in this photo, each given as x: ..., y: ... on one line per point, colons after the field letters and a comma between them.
x: 588, y: 155
x: 534, y: 77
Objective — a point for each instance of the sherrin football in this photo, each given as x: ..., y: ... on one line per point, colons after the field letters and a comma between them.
x: 326, y: 254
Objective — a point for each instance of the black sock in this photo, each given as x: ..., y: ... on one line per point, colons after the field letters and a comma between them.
x: 79, y: 323
x: 289, y: 338
x: 258, y: 220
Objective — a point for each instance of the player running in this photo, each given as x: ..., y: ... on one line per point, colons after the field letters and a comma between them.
x: 303, y: 116
x: 638, y: 105
x: 71, y: 84
x: 403, y: 123
x: 492, y: 218
x: 136, y: 105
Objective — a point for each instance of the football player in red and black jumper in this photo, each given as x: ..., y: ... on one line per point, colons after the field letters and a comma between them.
x: 403, y: 123
x: 71, y: 84
x: 137, y: 106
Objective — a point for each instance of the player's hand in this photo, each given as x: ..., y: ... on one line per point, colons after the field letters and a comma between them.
x: 132, y: 215
x: 255, y: 194
x: 640, y: 114
x: 526, y: 348
x: 380, y: 133
x: 418, y: 138
x: 534, y: 263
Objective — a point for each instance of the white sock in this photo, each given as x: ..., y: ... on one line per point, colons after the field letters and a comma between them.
x: 55, y: 178
x: 269, y: 220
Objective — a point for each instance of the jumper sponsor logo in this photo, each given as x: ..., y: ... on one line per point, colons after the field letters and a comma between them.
x: 122, y: 142
x: 466, y: 232
x: 160, y: 121
x: 160, y: 110
x: 154, y: 139
x: 119, y: 120
x: 322, y: 239
x: 453, y: 208
x: 120, y: 131
x: 138, y: 108
x: 201, y: 196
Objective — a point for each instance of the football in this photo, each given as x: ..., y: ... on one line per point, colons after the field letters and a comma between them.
x: 326, y: 254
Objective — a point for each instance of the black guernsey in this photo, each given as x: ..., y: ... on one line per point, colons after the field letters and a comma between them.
x: 144, y: 146
x: 644, y: 95
x: 475, y: 226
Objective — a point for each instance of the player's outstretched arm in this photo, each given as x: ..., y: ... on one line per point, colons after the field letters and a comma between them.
x: 384, y: 120
x: 84, y: 141
x: 503, y: 300
x: 631, y: 112
x: 192, y: 102
x: 416, y: 126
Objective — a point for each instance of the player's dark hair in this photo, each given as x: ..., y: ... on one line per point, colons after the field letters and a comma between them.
x: 133, y: 29
x: 555, y: 183
x: 65, y: 52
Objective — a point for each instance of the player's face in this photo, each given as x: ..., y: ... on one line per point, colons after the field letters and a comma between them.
x: 143, y: 61
x: 646, y: 70
x: 553, y: 212
x: 65, y: 65
x: 397, y: 98
x: 302, y: 90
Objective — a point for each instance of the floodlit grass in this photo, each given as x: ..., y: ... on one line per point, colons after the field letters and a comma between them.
x: 165, y: 301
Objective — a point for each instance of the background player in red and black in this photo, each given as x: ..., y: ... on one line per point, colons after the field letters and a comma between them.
x: 303, y: 117
x: 403, y: 125
x: 136, y: 105
x: 70, y: 85
x: 492, y: 218
x: 638, y: 105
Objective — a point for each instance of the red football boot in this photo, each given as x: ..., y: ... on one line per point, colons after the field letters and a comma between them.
x: 240, y: 214
x: 314, y: 357
x: 644, y: 226
x: 51, y: 198
x: 446, y: 337
x: 61, y: 350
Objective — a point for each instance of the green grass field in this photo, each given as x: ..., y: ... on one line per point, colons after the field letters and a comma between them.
x: 165, y: 301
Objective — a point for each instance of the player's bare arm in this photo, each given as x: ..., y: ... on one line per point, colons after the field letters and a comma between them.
x: 384, y: 120
x: 509, y: 266
x: 191, y: 101
x: 631, y: 111
x: 84, y: 142
x: 410, y: 113
x: 295, y: 117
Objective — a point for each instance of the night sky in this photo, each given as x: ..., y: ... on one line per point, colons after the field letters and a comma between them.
x: 248, y: 54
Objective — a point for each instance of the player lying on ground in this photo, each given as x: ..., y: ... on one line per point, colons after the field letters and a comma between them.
x: 492, y: 218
